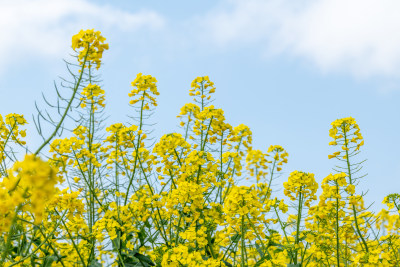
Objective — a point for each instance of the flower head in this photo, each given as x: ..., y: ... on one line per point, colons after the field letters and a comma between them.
x: 90, y: 46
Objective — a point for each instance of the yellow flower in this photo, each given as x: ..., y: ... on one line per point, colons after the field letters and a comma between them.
x: 90, y: 46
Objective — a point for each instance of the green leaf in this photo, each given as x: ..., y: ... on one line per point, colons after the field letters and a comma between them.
x: 147, y: 224
x: 144, y: 258
x: 265, y: 257
x: 258, y: 248
x: 227, y: 263
x: 142, y: 236
x: 94, y: 263
x: 235, y: 238
x: 48, y: 261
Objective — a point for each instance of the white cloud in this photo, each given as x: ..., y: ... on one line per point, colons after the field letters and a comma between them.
x: 44, y: 27
x: 357, y: 36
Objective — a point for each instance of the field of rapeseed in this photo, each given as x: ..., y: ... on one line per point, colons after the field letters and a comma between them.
x: 120, y: 198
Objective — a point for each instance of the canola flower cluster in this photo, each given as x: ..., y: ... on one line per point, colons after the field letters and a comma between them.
x: 92, y: 95
x: 202, y: 197
x: 90, y: 45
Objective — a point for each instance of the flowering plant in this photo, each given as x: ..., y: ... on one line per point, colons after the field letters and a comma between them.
x: 111, y: 196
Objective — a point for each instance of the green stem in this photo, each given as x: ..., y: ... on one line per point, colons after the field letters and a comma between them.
x: 41, y: 244
x: 242, y: 247
x: 351, y: 182
x: 337, y: 227
x: 68, y: 106
x: 300, y: 207
x: 137, y: 151
x: 72, y: 240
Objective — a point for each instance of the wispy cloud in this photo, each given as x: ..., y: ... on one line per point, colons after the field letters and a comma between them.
x: 32, y: 28
x: 361, y: 37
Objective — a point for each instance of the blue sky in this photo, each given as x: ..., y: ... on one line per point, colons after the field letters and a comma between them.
x: 284, y: 69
